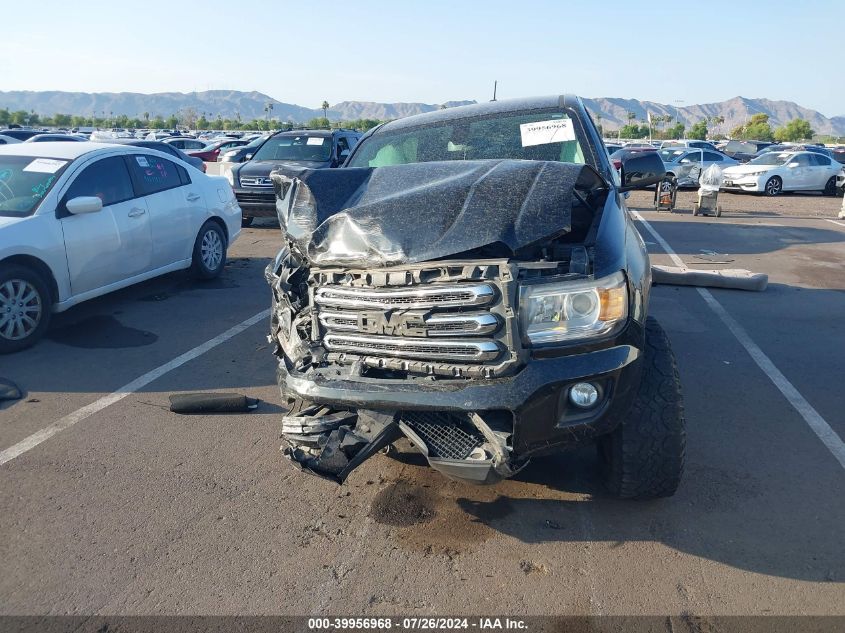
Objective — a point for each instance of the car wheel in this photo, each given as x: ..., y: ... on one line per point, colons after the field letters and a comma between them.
x: 830, y: 187
x: 774, y: 186
x: 25, y: 308
x: 643, y: 458
x: 245, y: 222
x: 209, y: 251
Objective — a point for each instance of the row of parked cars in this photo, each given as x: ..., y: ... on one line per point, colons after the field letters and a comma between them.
x: 772, y: 169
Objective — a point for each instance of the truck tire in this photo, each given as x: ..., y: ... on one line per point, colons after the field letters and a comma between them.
x: 643, y: 458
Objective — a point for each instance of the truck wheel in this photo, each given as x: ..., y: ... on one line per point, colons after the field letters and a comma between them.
x: 643, y: 458
x: 25, y: 308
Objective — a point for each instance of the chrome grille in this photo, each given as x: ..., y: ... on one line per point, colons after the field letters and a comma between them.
x: 249, y: 181
x: 454, y: 326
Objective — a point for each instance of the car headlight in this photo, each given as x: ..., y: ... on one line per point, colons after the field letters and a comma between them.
x: 572, y: 310
x: 230, y: 176
x: 759, y: 172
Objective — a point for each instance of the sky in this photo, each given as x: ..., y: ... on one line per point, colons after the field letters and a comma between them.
x: 431, y: 51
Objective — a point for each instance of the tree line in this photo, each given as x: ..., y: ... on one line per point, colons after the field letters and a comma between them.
x: 185, y: 119
x: 757, y: 128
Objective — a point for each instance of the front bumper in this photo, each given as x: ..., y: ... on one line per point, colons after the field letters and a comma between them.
x: 257, y: 203
x: 535, y: 399
x: 744, y: 183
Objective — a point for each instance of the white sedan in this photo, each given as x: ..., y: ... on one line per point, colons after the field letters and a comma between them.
x: 776, y: 172
x: 78, y: 220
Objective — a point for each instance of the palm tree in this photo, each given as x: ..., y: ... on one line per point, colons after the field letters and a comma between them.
x: 325, y: 107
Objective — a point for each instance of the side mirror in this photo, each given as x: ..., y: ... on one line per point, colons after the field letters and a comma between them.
x: 248, y: 157
x: 343, y: 155
x: 641, y: 170
x: 84, y: 204
x: 793, y: 165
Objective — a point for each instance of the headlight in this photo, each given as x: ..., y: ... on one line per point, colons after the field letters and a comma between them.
x: 230, y: 176
x: 572, y: 310
x: 759, y: 172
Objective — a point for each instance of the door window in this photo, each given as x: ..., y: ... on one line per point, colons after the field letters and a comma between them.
x: 803, y: 160
x: 820, y: 160
x: 342, y: 145
x: 107, y: 179
x: 153, y: 174
x: 712, y: 157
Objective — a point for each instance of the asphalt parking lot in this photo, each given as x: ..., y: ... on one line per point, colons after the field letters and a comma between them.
x: 121, y: 507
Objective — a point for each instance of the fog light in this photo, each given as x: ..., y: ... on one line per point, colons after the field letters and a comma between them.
x: 583, y: 394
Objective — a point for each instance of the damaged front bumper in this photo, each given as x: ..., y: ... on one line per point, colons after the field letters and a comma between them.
x: 479, y: 431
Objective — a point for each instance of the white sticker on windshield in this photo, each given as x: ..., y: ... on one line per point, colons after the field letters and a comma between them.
x: 315, y: 140
x: 544, y: 132
x: 142, y: 161
x: 45, y: 165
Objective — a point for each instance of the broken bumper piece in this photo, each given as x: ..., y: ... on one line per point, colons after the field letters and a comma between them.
x: 331, y: 443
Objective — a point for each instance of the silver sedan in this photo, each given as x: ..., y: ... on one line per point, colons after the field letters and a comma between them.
x: 686, y: 164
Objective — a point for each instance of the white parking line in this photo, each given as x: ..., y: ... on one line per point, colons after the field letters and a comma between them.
x: 812, y: 417
x: 139, y: 383
x: 835, y: 222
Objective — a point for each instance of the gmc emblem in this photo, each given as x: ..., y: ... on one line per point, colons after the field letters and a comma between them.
x: 393, y: 323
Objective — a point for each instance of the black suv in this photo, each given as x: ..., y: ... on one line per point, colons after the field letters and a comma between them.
x: 315, y: 149
x: 471, y: 280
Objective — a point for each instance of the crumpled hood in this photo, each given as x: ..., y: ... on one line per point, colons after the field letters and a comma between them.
x: 420, y: 212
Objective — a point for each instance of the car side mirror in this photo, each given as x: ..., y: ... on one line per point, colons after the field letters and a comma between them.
x: 84, y: 204
x: 248, y: 157
x: 792, y: 165
x: 641, y: 170
x: 343, y: 155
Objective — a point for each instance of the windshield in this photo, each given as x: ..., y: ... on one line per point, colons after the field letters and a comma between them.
x: 24, y: 181
x: 541, y: 135
x: 770, y: 158
x: 671, y: 155
x: 293, y: 147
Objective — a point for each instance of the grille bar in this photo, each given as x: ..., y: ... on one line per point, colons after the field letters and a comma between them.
x: 455, y: 349
x: 431, y: 296
x: 435, y: 325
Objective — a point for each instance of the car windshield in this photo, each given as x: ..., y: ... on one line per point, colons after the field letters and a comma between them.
x: 296, y: 147
x: 671, y: 155
x: 24, y: 181
x: 771, y: 158
x: 544, y: 135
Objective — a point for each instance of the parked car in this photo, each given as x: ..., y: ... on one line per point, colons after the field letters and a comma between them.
x: 8, y: 140
x: 471, y: 280
x: 185, y: 143
x: 619, y: 157
x: 54, y: 138
x: 20, y: 133
x: 243, y: 153
x: 686, y: 164
x: 612, y: 147
x: 315, y: 149
x: 838, y: 154
x: 78, y: 220
x: 160, y: 146
x: 776, y: 172
x: 744, y: 151
x: 210, y: 152
x: 689, y: 143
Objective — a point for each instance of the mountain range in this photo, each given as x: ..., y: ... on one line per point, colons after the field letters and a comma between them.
x: 611, y: 112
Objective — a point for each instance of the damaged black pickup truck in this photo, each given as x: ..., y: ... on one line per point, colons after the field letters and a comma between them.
x: 471, y: 280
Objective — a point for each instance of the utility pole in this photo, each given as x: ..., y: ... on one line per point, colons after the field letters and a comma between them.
x: 495, y: 85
